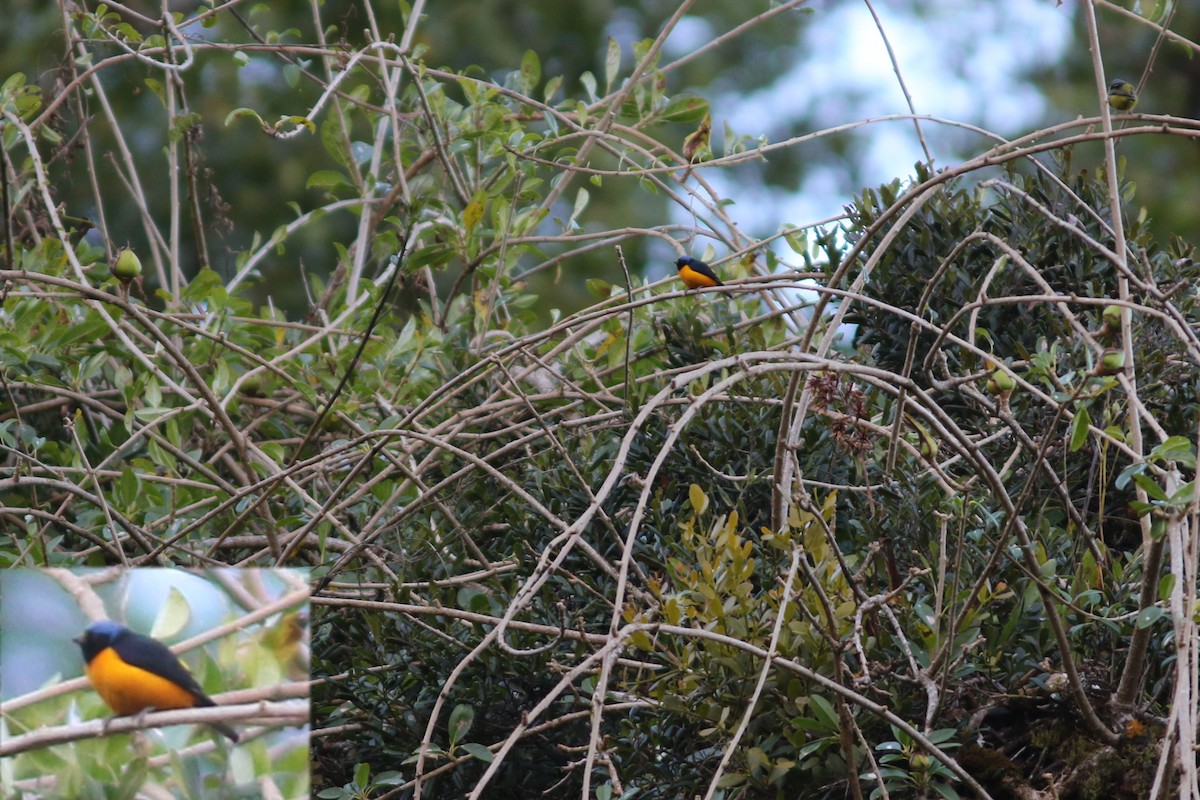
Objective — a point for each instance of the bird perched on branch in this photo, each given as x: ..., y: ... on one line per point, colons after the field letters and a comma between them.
x: 1121, y: 95
x: 133, y: 673
x: 695, y: 274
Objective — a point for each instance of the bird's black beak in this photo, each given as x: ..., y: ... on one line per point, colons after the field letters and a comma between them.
x: 78, y: 639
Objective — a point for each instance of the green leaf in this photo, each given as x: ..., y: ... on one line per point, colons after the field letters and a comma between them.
x: 173, y: 616
x: 1177, y: 449
x: 1166, y: 584
x: 612, y: 64
x: 1158, y: 527
x: 1183, y: 495
x: 1140, y: 508
x: 1079, y: 428
x: 126, y: 489
x: 796, y: 238
x: 686, y: 108
x: 479, y: 752
x: 90, y: 329
x: 1127, y: 474
x: 589, y: 85
x: 156, y: 88
x: 128, y: 32
x: 160, y: 456
x: 325, y: 179
x: 730, y: 779
x: 461, y: 719
x: 599, y: 288
x: 152, y: 392
x: 812, y: 747
x: 581, y: 201
x: 333, y: 138
x: 1150, y: 487
x: 943, y: 735
x: 244, y: 112
x: 531, y: 71
x: 13, y: 82
x: 1148, y: 616
x: 947, y: 791
x: 824, y: 711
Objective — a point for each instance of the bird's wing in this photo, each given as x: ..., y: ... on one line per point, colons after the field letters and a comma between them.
x: 153, y: 656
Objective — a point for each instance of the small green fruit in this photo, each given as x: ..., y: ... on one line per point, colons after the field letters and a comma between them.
x: 1112, y: 362
x: 127, y: 266
x: 1001, y: 382
x: 1112, y: 317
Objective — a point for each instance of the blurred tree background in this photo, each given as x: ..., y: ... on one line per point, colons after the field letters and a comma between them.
x: 266, y: 180
x: 774, y: 80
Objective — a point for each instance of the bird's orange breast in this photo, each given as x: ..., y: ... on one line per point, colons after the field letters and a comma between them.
x: 128, y: 689
x: 693, y: 279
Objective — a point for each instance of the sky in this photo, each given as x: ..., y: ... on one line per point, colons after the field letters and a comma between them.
x: 972, y: 72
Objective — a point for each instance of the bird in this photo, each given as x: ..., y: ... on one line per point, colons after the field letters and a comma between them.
x: 695, y: 274
x: 1121, y: 95
x: 132, y: 673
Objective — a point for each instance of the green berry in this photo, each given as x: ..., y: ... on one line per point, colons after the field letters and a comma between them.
x: 1001, y: 382
x: 1112, y: 362
x: 127, y: 266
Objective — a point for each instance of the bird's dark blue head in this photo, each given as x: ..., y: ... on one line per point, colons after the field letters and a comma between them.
x: 685, y: 261
x: 98, y: 636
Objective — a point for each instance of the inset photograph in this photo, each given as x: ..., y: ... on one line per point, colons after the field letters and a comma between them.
x: 161, y: 682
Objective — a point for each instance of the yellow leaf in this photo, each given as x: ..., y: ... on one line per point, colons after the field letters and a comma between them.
x: 672, y: 612
x: 641, y: 640
x: 474, y: 210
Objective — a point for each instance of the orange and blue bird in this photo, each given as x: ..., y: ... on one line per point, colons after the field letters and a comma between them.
x: 133, y: 673
x: 695, y: 274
